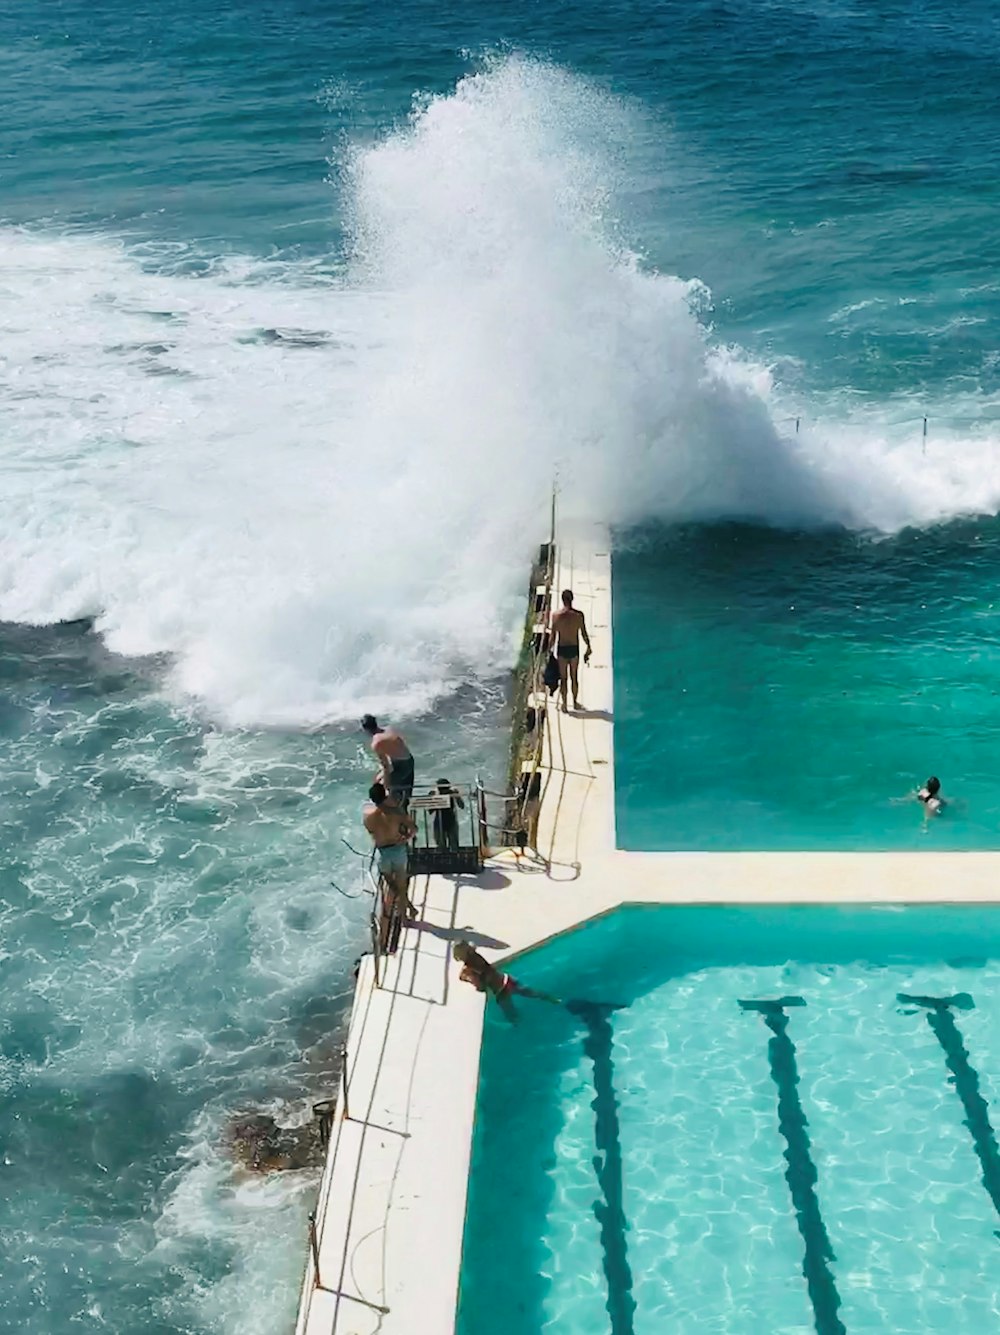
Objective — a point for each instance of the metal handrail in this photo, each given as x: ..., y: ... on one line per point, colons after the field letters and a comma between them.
x: 314, y: 1249
x: 375, y: 925
x: 341, y: 1113
x: 956, y: 419
x: 343, y: 1108
x: 540, y: 654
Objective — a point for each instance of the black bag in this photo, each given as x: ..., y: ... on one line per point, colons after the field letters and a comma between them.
x: 550, y: 677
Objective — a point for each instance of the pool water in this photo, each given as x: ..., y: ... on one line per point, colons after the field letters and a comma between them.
x: 823, y: 1159
x: 779, y: 690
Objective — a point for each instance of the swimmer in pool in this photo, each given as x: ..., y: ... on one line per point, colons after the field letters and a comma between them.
x: 929, y: 796
x: 485, y: 978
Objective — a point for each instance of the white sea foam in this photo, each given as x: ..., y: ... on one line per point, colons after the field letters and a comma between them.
x: 318, y: 494
x: 256, y: 1221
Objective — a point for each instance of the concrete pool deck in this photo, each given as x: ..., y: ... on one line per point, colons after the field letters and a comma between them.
x: 391, y: 1208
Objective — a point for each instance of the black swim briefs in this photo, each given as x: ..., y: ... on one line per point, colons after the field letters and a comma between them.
x: 401, y: 780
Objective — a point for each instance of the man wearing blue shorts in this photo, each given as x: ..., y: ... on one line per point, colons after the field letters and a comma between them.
x: 391, y: 830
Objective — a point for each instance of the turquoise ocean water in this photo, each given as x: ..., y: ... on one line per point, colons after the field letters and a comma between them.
x: 676, y: 1160
x: 303, y: 308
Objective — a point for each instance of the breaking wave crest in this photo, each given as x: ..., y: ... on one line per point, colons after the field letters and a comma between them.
x: 316, y: 492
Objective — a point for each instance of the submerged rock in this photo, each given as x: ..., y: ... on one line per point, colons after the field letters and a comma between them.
x: 257, y: 1142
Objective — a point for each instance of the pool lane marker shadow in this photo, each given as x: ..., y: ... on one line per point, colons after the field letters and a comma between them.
x: 800, y: 1174
x: 965, y: 1078
x: 610, y: 1213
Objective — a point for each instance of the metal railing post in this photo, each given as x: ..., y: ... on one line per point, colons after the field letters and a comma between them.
x: 314, y: 1248
x: 376, y: 930
x: 474, y: 813
x: 345, y: 1080
x: 484, y: 834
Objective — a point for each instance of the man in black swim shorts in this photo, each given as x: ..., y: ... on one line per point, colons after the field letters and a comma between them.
x: 568, y: 625
x: 395, y: 760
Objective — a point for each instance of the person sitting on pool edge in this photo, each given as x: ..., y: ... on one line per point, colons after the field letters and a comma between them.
x: 484, y: 977
x: 933, y: 804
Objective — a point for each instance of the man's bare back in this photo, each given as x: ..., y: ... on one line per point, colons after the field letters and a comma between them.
x: 389, y: 744
x: 568, y: 625
x: 394, y: 757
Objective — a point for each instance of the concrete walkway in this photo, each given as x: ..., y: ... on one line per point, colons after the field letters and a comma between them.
x: 391, y: 1207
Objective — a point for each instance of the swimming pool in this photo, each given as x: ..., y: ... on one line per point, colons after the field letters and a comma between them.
x: 744, y: 1128
x: 778, y: 690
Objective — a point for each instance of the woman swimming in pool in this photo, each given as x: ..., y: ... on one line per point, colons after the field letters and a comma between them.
x: 484, y: 977
x: 933, y: 804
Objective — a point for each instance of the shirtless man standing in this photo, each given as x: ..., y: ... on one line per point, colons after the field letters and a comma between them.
x: 395, y: 760
x: 391, y: 830
x: 568, y: 625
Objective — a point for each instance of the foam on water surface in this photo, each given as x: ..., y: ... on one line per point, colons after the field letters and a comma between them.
x: 270, y: 472
x: 173, y: 954
x: 215, y: 362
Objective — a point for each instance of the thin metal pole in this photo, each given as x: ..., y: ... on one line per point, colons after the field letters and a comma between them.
x: 314, y: 1248
x: 376, y: 926
x: 346, y: 1081
x: 797, y: 420
x: 924, y: 447
x: 484, y: 836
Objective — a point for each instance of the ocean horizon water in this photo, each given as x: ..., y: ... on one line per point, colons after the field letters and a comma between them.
x: 304, y: 311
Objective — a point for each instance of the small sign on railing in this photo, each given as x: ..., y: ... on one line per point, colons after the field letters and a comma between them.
x: 433, y: 802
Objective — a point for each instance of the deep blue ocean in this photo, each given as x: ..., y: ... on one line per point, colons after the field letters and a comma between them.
x: 303, y: 309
